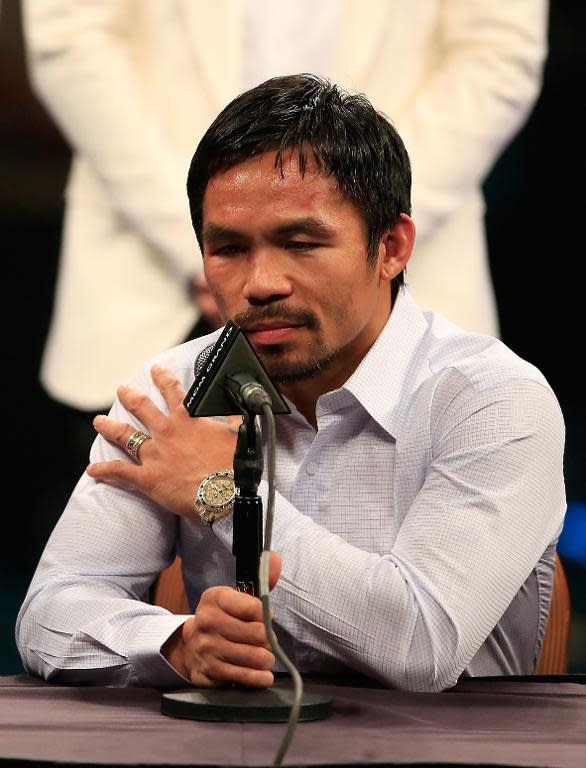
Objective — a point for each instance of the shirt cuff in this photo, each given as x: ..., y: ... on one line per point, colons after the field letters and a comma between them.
x: 150, y: 668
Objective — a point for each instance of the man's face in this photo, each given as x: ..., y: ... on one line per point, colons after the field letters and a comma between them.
x: 286, y: 258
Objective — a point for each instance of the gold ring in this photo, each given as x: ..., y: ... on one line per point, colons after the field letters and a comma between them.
x: 134, y: 442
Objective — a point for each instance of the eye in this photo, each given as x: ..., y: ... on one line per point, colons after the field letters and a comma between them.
x: 301, y: 245
x: 231, y: 249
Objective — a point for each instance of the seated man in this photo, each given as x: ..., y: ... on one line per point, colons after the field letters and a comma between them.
x: 419, y: 474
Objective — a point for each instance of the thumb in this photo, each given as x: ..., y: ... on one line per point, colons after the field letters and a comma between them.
x: 275, y: 566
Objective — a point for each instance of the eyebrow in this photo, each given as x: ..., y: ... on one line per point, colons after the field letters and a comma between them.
x: 307, y: 225
x: 218, y: 232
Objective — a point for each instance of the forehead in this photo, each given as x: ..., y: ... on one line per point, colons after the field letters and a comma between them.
x: 258, y: 187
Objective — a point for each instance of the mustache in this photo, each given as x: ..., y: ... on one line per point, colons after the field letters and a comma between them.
x: 278, y: 310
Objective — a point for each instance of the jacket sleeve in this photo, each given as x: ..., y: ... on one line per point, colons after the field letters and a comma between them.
x: 479, y: 94
x: 82, y: 67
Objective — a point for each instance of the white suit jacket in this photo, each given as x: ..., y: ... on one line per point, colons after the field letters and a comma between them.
x: 134, y: 85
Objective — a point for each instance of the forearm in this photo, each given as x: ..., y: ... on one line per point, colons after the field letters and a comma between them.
x: 328, y: 611
x: 84, y: 617
x: 332, y: 595
x: 414, y: 615
x: 94, y: 634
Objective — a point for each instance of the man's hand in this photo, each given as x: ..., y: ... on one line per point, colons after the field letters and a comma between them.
x: 181, y: 452
x: 225, y: 641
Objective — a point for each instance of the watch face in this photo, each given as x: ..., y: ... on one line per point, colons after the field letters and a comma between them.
x: 217, y: 491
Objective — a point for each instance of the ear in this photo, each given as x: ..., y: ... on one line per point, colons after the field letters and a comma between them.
x: 395, y: 247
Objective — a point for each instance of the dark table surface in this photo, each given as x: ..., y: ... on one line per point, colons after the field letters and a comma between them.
x: 483, y: 721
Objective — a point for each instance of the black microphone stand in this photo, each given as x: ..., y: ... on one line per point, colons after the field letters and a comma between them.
x: 247, y: 543
x: 238, y: 704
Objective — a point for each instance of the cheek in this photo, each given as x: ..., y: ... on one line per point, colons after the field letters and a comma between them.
x: 349, y: 302
x: 222, y: 282
x: 336, y: 307
x: 347, y: 289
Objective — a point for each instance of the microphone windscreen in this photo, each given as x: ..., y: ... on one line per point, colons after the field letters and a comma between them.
x: 202, y: 359
x: 231, y: 354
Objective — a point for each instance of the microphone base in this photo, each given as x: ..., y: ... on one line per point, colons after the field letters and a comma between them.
x: 243, y: 705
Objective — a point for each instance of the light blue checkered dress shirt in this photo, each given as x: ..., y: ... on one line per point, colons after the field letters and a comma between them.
x: 417, y: 527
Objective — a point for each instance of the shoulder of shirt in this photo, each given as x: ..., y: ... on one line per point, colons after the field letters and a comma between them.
x: 179, y: 359
x: 478, y: 360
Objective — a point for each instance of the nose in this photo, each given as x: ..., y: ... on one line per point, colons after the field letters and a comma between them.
x: 266, y: 280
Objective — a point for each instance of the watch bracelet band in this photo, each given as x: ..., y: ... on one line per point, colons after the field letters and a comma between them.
x: 209, y: 514
x: 209, y: 517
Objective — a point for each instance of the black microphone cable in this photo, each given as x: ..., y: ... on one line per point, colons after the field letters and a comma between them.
x: 263, y: 580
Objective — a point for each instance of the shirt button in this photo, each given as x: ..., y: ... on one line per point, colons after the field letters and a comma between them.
x: 311, y: 467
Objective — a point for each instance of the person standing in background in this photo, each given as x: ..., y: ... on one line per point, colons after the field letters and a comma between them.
x: 133, y: 86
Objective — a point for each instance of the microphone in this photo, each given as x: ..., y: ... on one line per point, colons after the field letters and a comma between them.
x: 230, y: 379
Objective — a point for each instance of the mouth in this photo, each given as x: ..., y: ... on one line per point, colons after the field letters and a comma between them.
x: 272, y: 331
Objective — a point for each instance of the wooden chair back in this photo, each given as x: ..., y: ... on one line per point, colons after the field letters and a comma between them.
x: 169, y: 591
x: 553, y: 659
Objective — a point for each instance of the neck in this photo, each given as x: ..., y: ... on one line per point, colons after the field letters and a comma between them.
x: 306, y: 392
x: 304, y: 397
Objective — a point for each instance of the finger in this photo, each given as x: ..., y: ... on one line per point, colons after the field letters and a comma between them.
x: 169, y: 386
x: 212, y: 647
x: 239, y: 605
x: 211, y: 620
x: 233, y: 615
x: 114, y: 431
x: 141, y: 406
x: 275, y: 568
x: 236, y: 605
x: 213, y: 671
x: 121, y: 474
x: 118, y: 433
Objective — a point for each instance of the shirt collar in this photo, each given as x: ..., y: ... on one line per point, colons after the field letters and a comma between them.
x: 390, y: 371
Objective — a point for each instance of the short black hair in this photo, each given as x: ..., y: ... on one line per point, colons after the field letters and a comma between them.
x: 350, y: 140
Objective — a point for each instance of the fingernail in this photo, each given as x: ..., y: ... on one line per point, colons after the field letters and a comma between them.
x: 98, y: 420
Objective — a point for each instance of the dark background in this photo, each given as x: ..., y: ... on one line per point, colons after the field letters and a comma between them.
x: 535, y: 218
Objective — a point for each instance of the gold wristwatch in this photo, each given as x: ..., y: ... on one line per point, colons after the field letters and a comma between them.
x: 215, y: 496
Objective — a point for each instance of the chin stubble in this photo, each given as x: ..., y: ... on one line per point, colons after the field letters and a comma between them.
x: 272, y: 357
x: 282, y: 371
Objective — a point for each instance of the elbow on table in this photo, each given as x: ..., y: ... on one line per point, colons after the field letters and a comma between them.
x: 419, y: 675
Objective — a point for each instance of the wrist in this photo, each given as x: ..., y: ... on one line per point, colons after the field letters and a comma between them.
x: 215, y: 496
x: 173, y: 650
